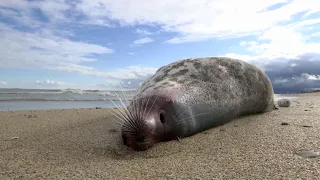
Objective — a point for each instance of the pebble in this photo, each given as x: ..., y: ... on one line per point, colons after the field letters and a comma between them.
x: 12, y: 138
x: 284, y: 102
x: 32, y: 116
x: 308, y: 154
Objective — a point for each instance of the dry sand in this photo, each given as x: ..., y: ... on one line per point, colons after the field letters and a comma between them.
x: 84, y: 144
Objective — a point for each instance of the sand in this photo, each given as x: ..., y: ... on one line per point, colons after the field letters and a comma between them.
x: 85, y: 144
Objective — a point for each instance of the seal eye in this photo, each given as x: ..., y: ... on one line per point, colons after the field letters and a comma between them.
x: 162, y: 116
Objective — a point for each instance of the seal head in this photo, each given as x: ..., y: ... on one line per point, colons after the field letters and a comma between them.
x: 145, y: 121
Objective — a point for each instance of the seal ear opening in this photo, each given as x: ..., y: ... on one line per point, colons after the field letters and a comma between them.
x: 162, y: 116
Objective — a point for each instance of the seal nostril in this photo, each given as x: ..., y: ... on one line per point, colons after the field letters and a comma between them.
x: 162, y: 119
x: 124, y: 139
x: 140, y: 139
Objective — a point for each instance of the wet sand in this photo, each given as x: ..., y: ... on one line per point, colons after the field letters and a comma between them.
x: 85, y: 144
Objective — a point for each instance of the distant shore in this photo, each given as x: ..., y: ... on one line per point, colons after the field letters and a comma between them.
x: 18, y: 105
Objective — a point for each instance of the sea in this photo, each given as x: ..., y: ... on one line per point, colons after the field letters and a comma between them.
x: 44, y: 99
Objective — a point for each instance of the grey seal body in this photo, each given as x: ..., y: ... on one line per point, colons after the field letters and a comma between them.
x: 198, y: 94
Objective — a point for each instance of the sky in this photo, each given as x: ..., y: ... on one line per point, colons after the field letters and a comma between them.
x: 101, y: 44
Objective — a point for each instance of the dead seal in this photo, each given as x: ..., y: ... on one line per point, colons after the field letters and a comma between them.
x: 193, y: 95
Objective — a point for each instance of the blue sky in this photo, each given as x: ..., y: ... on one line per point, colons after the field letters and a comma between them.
x: 97, y: 44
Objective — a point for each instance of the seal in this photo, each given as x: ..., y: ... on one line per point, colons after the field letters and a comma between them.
x: 192, y: 95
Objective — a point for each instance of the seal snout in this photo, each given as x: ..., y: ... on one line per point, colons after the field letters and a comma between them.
x: 138, y: 143
x: 146, y: 121
x: 138, y: 137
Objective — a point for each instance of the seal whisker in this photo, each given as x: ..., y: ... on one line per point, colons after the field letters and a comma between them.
x: 136, y: 116
x: 133, y: 106
x: 128, y: 113
x: 120, y: 121
x: 124, y: 107
x: 125, y: 117
x: 125, y: 113
x: 182, y: 113
x: 139, y: 103
x: 117, y: 116
x: 124, y: 94
x: 181, y: 120
x: 130, y: 122
x: 117, y: 106
x: 152, y: 104
x: 120, y: 113
x: 143, y: 114
x: 114, y: 113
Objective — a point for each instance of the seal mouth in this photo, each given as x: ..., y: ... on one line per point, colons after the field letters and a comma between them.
x: 136, y: 143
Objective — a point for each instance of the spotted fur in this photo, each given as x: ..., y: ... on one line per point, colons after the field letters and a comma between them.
x: 201, y: 93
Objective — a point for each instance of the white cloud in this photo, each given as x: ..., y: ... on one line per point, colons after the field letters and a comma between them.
x: 54, y: 10
x: 3, y: 82
x: 131, y: 53
x: 47, y: 51
x: 317, y: 34
x: 142, y: 41
x: 311, y: 77
x: 121, y: 84
x: 98, y: 22
x: 143, y: 32
x: 279, y: 42
x: 43, y: 50
x: 202, y: 19
x: 53, y: 82
x: 192, y: 20
x: 131, y: 72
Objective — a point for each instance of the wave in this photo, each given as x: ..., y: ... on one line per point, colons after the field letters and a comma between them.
x: 4, y: 91
x: 102, y: 93
x: 47, y: 99
x: 39, y: 92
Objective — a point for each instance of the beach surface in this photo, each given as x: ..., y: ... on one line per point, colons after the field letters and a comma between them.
x: 85, y: 144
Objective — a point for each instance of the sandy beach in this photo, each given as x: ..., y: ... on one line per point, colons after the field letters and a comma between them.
x: 85, y: 144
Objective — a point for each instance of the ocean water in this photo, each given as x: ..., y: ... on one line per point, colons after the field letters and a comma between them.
x: 40, y: 99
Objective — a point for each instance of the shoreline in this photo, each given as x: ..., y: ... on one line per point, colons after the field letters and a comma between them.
x: 86, y: 144
x: 20, y: 105
x: 52, y: 105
